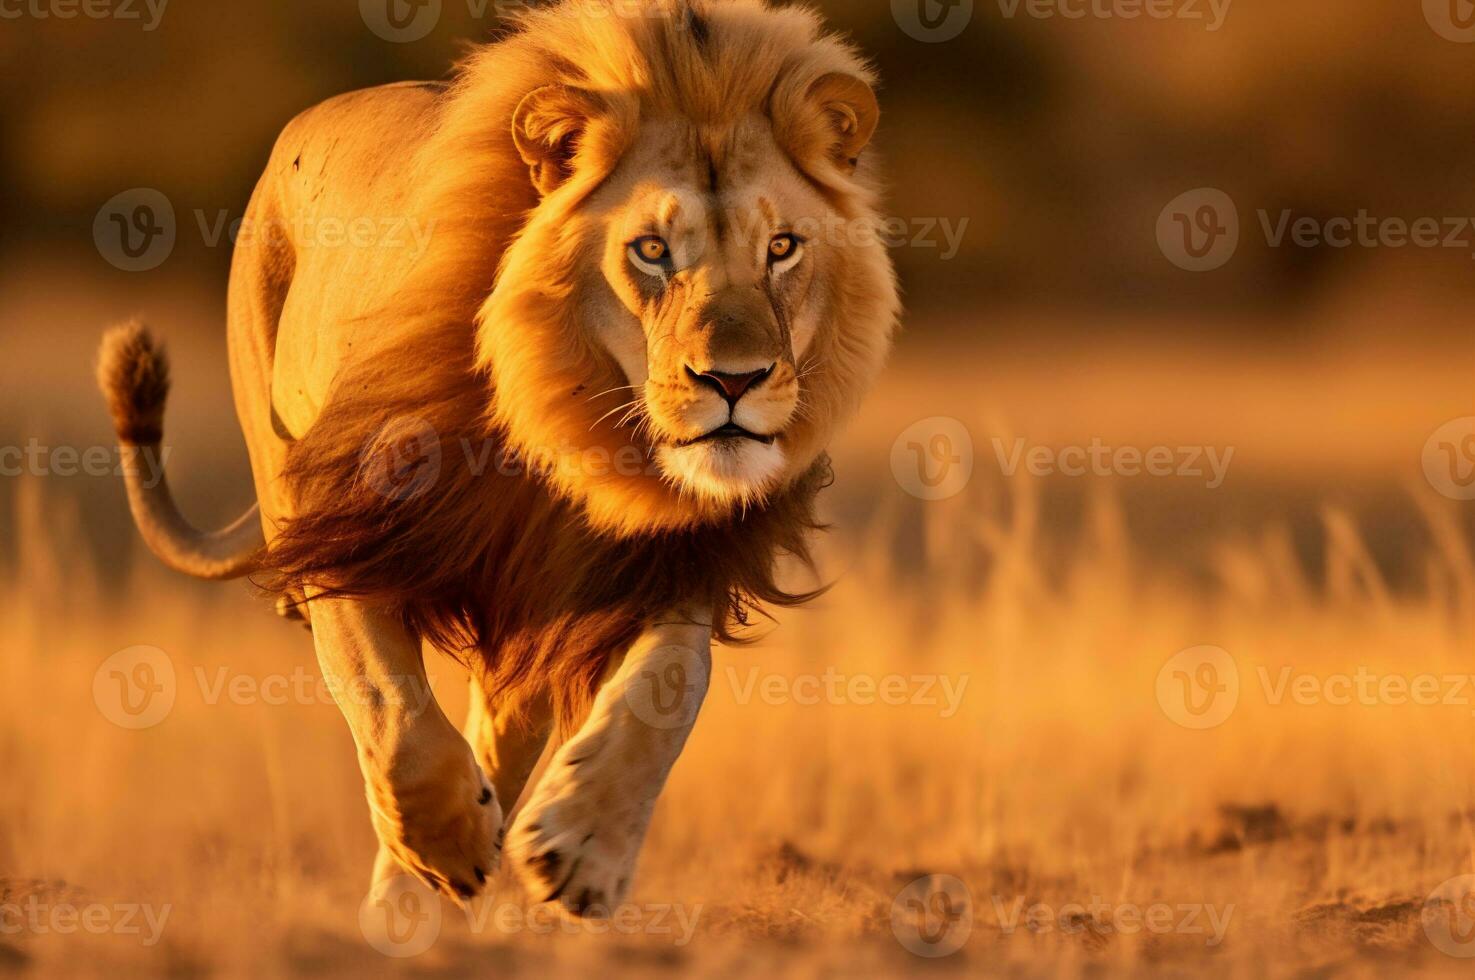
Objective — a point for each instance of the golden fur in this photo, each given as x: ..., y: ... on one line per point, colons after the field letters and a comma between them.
x: 550, y: 567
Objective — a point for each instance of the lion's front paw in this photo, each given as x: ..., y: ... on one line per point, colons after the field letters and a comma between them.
x: 437, y: 814
x: 577, y: 840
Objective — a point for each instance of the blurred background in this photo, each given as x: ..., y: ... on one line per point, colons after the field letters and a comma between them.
x: 1034, y: 156
x: 1192, y: 231
x: 1058, y: 139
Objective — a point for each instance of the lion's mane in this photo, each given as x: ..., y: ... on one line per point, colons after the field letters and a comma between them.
x: 538, y: 579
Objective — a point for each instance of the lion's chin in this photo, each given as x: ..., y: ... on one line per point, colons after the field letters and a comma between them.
x: 724, y: 472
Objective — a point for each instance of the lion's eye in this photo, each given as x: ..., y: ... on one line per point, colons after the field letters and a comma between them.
x: 783, y: 251
x: 651, y: 254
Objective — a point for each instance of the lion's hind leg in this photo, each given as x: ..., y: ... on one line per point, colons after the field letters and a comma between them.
x: 508, y: 738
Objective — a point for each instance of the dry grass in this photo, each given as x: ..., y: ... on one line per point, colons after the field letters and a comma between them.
x: 789, y: 829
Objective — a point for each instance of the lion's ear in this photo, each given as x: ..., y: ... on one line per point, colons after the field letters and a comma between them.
x: 547, y: 126
x: 851, y: 111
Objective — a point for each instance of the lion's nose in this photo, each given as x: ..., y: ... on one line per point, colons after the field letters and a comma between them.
x: 730, y: 386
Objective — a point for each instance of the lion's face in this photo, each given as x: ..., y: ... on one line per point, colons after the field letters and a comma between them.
x: 700, y: 296
x: 708, y: 273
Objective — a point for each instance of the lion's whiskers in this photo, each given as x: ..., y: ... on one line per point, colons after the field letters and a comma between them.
x: 636, y: 410
x: 611, y: 391
x: 617, y: 408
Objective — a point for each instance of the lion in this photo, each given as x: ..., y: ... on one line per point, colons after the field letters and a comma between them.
x: 567, y: 431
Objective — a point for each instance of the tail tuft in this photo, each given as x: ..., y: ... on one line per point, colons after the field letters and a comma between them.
x: 133, y: 372
x: 134, y: 376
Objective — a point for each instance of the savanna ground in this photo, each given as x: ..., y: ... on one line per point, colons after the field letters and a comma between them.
x: 1043, y: 769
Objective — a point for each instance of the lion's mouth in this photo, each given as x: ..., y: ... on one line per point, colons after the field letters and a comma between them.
x: 730, y: 431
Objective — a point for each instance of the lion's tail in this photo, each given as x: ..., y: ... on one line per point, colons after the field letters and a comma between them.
x: 134, y: 375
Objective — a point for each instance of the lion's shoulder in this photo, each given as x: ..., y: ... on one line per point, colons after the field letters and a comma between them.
x: 359, y: 130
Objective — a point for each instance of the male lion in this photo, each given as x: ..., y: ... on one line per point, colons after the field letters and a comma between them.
x: 567, y: 438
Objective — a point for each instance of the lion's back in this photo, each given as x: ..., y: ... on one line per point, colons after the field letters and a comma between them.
x: 330, y: 226
x: 352, y: 154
